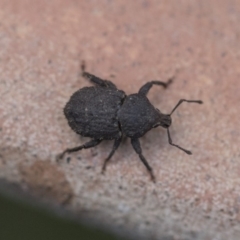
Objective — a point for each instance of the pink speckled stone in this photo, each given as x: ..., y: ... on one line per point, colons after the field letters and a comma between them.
x: 41, y: 46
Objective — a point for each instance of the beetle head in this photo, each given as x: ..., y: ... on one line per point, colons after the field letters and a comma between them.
x: 165, y: 120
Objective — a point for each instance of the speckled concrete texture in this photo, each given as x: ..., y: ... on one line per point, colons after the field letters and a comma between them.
x: 42, y: 44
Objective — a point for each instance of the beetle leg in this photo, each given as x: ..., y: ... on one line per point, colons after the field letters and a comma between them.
x: 146, y: 87
x: 96, y: 80
x: 92, y: 143
x: 137, y: 147
x: 115, y: 147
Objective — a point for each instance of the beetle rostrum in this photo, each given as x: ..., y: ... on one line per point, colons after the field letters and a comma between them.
x: 103, y: 112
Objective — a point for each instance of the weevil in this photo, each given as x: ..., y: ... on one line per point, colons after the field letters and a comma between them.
x: 103, y: 112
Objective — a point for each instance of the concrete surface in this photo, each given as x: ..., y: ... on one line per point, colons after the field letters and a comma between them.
x: 130, y: 42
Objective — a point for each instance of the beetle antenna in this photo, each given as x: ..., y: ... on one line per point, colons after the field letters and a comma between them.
x: 168, y: 132
x: 171, y: 143
x: 184, y: 100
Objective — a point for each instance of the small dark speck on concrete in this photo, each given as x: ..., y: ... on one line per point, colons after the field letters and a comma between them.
x: 79, y: 158
x: 168, y: 238
x: 94, y: 152
x: 223, y: 54
x: 88, y: 167
x: 68, y: 159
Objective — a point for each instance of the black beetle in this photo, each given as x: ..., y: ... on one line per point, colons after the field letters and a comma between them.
x: 102, y: 112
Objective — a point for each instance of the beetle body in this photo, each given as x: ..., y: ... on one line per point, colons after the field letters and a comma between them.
x: 102, y: 112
